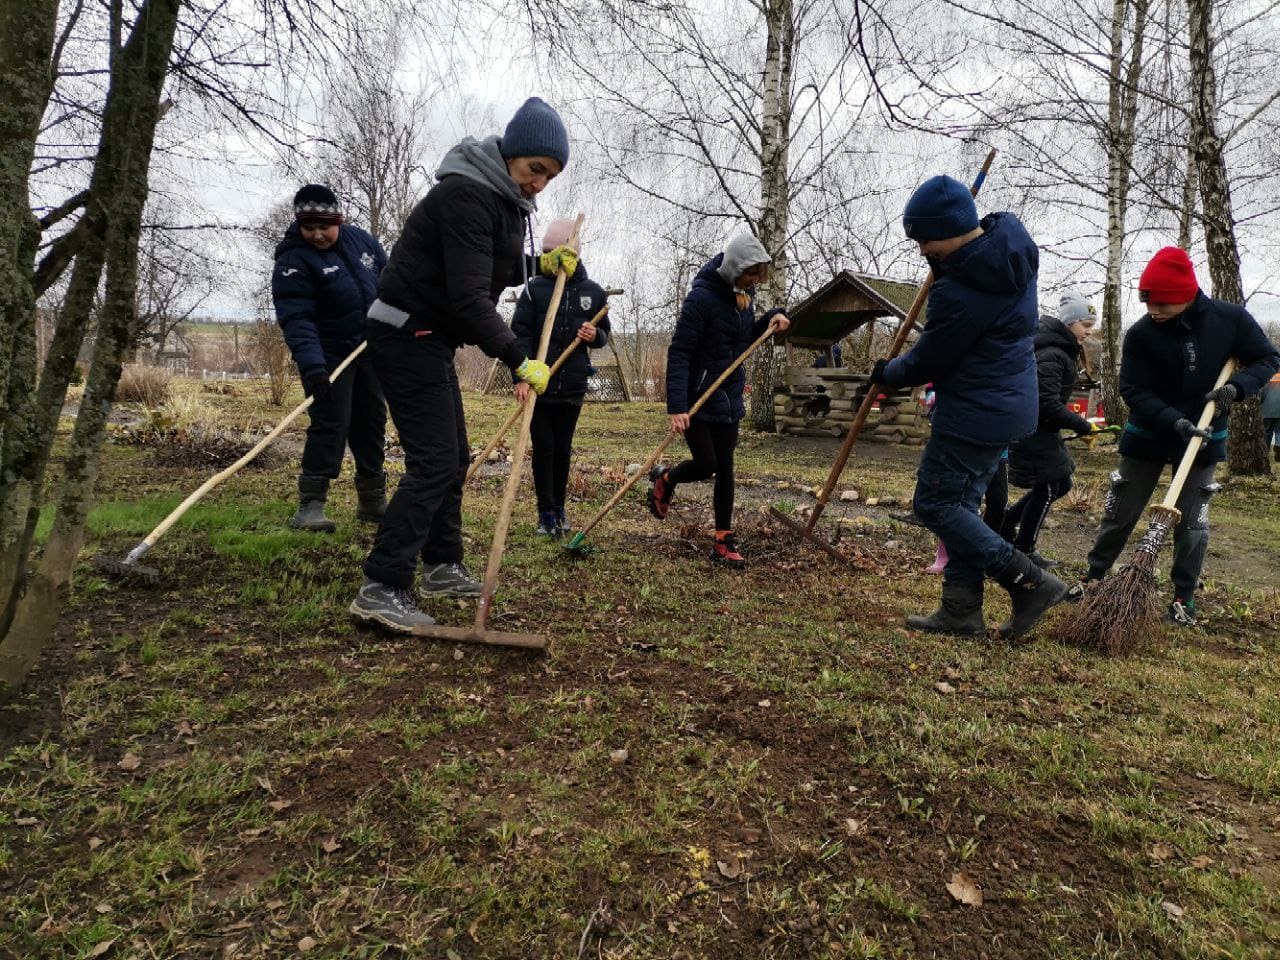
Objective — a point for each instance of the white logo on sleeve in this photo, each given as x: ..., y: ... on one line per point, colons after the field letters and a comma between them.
x: 367, y: 259
x: 328, y: 270
x: 289, y: 273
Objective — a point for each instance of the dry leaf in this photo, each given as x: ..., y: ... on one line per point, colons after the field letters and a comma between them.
x: 103, y: 907
x: 1202, y: 862
x: 457, y: 653
x: 951, y: 673
x: 1172, y: 910
x: 618, y: 756
x: 95, y: 843
x: 730, y: 870
x: 854, y: 827
x: 750, y: 834
x: 130, y: 761
x: 764, y: 703
x: 264, y: 783
x: 1161, y: 851
x: 278, y: 805
x: 306, y: 943
x: 537, y: 831
x: 943, y: 687
x: 26, y: 821
x: 964, y: 889
x: 101, y: 948
x: 330, y: 845
x: 183, y: 729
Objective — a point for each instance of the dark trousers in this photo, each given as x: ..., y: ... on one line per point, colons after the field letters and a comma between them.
x: 1024, y: 520
x: 1131, y: 487
x: 711, y: 446
x: 1270, y: 429
x: 995, y: 505
x: 551, y: 431
x: 950, y: 484
x: 424, y: 517
x: 354, y: 414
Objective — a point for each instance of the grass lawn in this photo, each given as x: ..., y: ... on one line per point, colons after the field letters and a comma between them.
x: 705, y: 763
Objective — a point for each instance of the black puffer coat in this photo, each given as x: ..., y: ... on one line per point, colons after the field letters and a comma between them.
x: 583, y: 297
x: 1043, y: 456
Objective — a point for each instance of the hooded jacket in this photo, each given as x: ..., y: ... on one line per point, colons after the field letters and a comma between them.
x: 977, y: 345
x: 1167, y: 368
x: 1043, y: 457
x: 582, y: 299
x: 321, y: 296
x: 710, y: 334
x: 462, y: 245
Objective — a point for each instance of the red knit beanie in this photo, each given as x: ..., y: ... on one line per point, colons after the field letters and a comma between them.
x: 1169, y: 277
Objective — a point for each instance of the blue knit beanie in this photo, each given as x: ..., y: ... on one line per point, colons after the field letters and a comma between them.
x: 536, y: 130
x: 941, y: 208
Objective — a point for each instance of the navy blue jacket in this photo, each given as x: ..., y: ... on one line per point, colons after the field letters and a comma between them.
x: 1167, y: 368
x: 710, y: 334
x: 321, y: 296
x: 1043, y: 457
x: 582, y: 299
x: 977, y: 345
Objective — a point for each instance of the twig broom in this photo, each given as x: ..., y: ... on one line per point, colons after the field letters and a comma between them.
x: 1117, y: 615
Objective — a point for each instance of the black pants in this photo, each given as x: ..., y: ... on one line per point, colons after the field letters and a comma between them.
x: 424, y: 517
x: 1131, y: 487
x: 551, y: 431
x: 712, y: 446
x: 1025, y: 519
x: 353, y: 414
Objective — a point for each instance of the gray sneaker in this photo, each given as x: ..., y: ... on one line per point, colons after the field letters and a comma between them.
x: 392, y: 607
x: 450, y: 580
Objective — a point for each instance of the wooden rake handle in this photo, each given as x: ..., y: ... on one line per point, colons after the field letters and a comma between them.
x: 1170, y: 501
x: 492, y: 445
x: 199, y: 493
x: 672, y: 434
x: 899, y: 341
x: 503, y: 523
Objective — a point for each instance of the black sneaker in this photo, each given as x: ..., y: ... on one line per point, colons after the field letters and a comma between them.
x: 1182, y: 612
x: 562, y: 522
x: 392, y: 607
x: 548, y: 525
x: 450, y: 580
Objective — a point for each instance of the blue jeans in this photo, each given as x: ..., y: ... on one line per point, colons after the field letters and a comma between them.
x: 950, y: 484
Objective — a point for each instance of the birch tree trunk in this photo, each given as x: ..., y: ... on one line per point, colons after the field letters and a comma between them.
x: 1122, y: 114
x: 1247, y: 445
x: 775, y: 196
x: 128, y: 135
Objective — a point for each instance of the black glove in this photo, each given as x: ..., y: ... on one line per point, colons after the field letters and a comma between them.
x: 1223, y: 398
x: 315, y: 384
x: 1186, y: 430
x: 877, y: 371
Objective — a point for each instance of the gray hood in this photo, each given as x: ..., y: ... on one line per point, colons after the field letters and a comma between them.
x: 741, y: 252
x: 482, y: 161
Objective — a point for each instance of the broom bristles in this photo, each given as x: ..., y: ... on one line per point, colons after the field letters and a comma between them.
x: 1118, y: 616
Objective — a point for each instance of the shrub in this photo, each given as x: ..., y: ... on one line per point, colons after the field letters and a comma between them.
x: 149, y: 386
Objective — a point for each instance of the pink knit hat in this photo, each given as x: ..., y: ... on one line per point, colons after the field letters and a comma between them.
x: 557, y: 235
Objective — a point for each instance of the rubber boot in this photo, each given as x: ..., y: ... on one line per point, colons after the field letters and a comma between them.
x: 312, y: 492
x: 960, y: 612
x: 939, y: 560
x: 371, y: 497
x: 1032, y: 590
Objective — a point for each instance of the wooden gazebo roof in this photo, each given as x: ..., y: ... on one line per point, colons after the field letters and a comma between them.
x: 843, y: 304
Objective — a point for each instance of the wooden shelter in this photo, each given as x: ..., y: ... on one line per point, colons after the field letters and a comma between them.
x: 822, y: 401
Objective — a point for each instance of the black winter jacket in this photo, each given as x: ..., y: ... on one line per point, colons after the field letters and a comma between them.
x: 1043, y: 457
x: 461, y: 247
x: 976, y: 346
x: 321, y: 296
x: 582, y: 299
x: 1167, y: 368
x: 710, y: 334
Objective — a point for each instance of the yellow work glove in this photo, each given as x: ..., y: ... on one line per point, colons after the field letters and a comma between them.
x: 561, y: 257
x: 535, y: 373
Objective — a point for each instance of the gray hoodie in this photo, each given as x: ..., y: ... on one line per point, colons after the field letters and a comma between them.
x: 741, y: 252
x: 482, y: 161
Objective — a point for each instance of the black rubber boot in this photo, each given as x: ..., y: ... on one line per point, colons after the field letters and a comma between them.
x: 313, y: 491
x: 960, y: 612
x: 371, y: 498
x: 1032, y: 590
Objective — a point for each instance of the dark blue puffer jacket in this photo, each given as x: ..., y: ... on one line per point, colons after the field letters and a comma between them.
x: 978, y: 344
x: 582, y: 298
x: 710, y: 334
x: 322, y: 296
x: 1167, y: 368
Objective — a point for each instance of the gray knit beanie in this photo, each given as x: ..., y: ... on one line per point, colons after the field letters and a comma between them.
x: 536, y: 130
